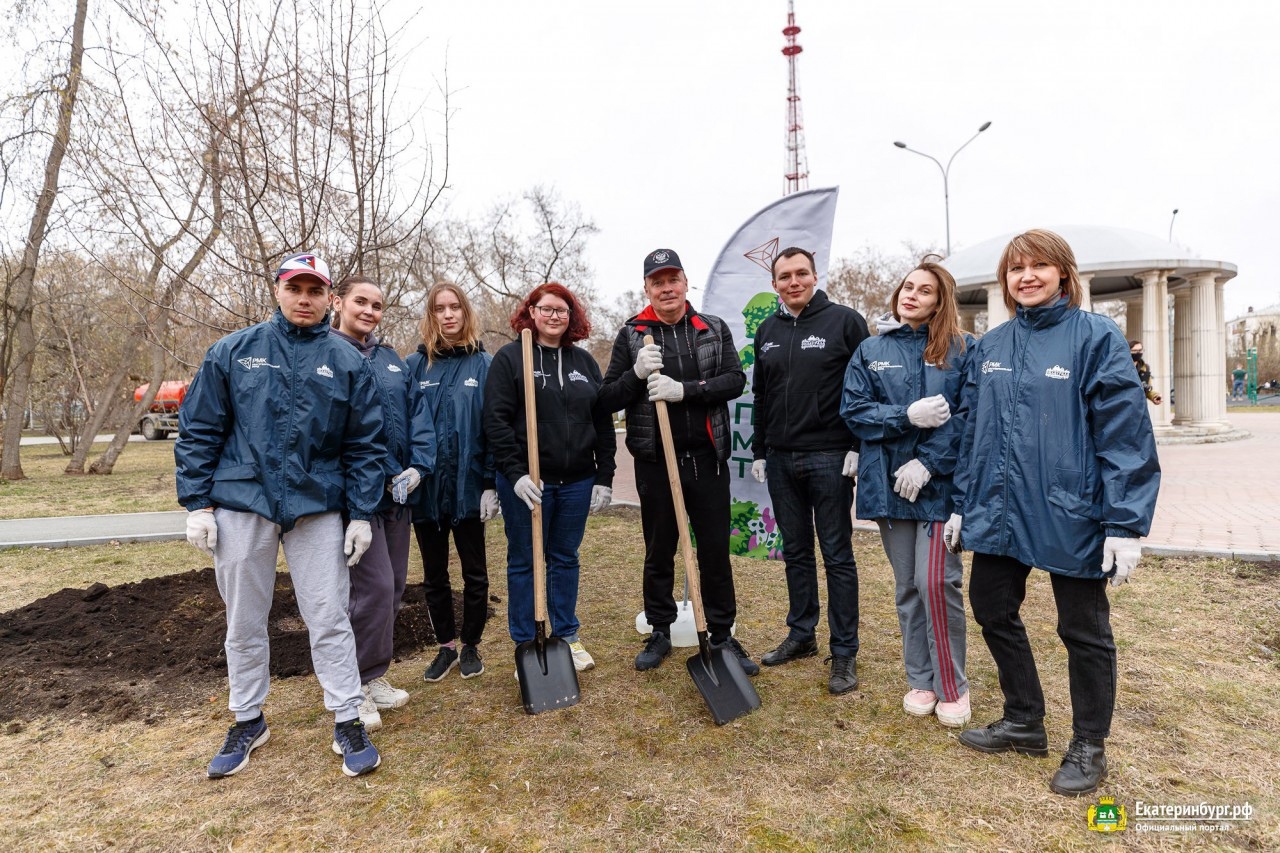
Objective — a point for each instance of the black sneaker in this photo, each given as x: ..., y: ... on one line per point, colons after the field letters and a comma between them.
x: 446, y: 659
x: 242, y: 739
x: 351, y: 741
x: 749, y: 666
x: 470, y: 665
x: 657, y: 647
x: 789, y: 650
x: 844, y: 674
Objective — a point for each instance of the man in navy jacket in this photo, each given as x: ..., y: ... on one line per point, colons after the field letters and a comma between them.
x: 280, y: 432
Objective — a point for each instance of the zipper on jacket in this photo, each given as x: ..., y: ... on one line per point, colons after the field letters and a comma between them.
x: 1020, y: 359
x: 292, y: 342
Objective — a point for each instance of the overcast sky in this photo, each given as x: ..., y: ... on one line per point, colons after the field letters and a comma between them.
x: 665, y: 120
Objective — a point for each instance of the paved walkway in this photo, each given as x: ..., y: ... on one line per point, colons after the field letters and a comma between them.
x: 1215, y: 500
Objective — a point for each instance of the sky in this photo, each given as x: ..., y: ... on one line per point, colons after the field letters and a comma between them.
x: 665, y: 121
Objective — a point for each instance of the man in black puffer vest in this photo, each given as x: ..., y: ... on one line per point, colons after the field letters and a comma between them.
x: 700, y: 374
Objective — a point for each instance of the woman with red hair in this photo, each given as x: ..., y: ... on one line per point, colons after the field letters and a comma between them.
x: 576, y: 446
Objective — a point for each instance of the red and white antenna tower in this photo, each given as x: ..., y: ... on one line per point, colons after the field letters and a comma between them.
x: 797, y: 176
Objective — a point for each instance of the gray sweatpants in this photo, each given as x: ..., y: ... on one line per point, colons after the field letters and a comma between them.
x: 245, y: 564
x: 928, y: 588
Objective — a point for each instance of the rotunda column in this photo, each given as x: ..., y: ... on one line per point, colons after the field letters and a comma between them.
x: 1155, y: 339
x: 997, y: 313
x: 1086, y: 295
x: 1208, y: 379
x: 1184, y: 405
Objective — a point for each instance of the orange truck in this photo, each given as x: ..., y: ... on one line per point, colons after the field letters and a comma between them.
x: 161, y: 418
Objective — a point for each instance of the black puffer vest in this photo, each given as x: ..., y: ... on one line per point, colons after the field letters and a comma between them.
x: 642, y: 423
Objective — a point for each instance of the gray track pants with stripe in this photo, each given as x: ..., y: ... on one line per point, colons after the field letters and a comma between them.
x: 928, y: 581
x: 245, y: 564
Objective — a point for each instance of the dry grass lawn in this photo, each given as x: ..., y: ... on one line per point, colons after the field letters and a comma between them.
x: 142, y: 482
x: 638, y: 765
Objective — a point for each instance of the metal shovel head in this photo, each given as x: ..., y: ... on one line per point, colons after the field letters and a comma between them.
x: 728, y: 691
x: 548, y: 680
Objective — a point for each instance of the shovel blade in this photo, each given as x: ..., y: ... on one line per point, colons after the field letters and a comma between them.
x: 728, y: 691
x: 548, y: 680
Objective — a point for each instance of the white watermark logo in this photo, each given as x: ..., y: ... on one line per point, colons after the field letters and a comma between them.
x: 1190, y: 817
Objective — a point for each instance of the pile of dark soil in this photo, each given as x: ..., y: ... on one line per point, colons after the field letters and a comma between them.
x: 143, y: 650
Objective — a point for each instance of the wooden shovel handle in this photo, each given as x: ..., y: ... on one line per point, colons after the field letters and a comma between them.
x: 682, y: 517
x: 535, y: 474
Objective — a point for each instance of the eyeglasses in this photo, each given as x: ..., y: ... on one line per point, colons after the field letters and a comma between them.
x: 548, y: 311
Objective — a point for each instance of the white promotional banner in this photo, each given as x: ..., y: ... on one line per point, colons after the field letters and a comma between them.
x: 740, y: 292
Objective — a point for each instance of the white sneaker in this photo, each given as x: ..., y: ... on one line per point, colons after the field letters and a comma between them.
x: 919, y: 703
x: 369, y: 712
x: 954, y: 714
x: 384, y: 695
x: 582, y: 660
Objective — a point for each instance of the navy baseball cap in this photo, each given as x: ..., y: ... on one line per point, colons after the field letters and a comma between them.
x: 661, y: 259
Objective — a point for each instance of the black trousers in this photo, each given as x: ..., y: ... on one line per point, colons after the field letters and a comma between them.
x: 997, y: 587
x: 468, y: 538
x: 704, y: 484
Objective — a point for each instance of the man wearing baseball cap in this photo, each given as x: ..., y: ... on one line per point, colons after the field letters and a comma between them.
x: 279, y: 435
x: 699, y: 373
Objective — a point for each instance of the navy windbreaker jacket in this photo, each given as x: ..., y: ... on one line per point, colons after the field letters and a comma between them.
x: 410, y: 440
x: 453, y: 391
x: 1058, y: 451
x: 886, y: 375
x: 282, y: 421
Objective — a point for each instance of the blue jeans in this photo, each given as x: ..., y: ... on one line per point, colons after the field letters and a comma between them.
x: 808, y: 490
x: 564, y: 520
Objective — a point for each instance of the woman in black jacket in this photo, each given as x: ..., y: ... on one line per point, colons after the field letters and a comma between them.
x: 576, y: 446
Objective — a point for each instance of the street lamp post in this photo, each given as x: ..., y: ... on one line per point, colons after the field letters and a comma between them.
x: 946, y: 171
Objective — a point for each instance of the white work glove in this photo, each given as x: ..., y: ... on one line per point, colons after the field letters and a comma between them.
x: 489, y: 505
x: 202, y: 530
x: 930, y: 412
x: 648, y: 359
x: 358, y: 539
x: 527, y: 491
x: 665, y: 388
x: 851, y: 464
x: 601, y: 497
x: 951, y: 533
x: 757, y: 470
x: 1124, y: 553
x: 404, y: 483
x: 911, y: 479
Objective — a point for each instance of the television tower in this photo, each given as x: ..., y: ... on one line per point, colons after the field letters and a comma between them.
x: 797, y: 175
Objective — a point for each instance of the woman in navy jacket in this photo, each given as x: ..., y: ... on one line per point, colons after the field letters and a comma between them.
x: 450, y: 369
x: 1058, y: 470
x: 899, y: 392
x: 576, y: 446
x: 378, y: 579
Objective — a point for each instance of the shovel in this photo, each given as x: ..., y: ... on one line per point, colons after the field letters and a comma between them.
x: 544, y: 664
x: 716, y: 672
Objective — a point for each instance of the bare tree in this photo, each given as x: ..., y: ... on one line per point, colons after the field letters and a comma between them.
x: 19, y: 340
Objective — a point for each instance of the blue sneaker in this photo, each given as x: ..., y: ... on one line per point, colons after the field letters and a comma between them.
x: 351, y: 741
x: 242, y: 739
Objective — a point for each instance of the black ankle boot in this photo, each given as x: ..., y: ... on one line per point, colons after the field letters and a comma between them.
x: 1083, y: 768
x: 1007, y: 736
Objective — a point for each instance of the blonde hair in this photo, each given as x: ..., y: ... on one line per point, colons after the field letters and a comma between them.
x: 944, y: 323
x: 1040, y: 245
x: 433, y: 337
